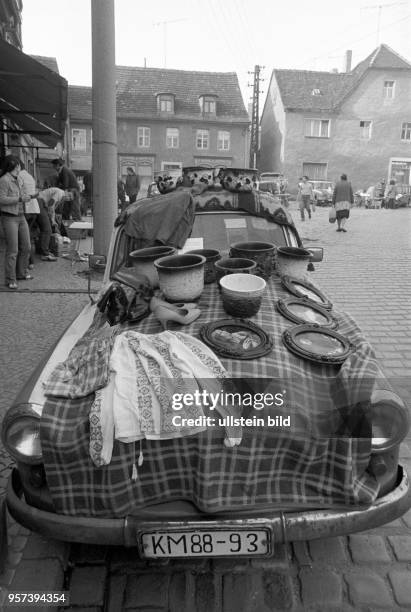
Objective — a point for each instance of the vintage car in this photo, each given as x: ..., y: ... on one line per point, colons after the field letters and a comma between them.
x: 317, y: 441
x: 275, y: 183
x: 323, y: 192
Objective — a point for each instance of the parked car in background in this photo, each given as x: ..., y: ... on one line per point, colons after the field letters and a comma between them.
x: 275, y: 183
x: 323, y: 192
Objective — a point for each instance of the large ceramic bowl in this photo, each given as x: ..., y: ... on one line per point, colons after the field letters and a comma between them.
x: 292, y: 261
x: 234, y: 265
x: 242, y: 294
x: 181, y: 277
x: 239, y: 179
x: 212, y: 256
x: 263, y: 253
x: 143, y: 261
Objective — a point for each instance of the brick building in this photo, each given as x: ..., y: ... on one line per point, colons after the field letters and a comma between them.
x: 325, y: 123
x: 166, y: 119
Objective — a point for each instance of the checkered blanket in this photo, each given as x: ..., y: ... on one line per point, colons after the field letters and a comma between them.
x: 316, y: 463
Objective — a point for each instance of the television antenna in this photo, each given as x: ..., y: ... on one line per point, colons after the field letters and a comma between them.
x: 380, y: 7
x: 165, y: 23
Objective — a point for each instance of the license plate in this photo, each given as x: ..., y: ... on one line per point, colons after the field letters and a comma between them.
x: 210, y: 543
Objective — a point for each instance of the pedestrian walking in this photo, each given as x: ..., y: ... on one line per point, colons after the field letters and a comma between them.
x: 390, y: 194
x: 305, y: 197
x: 343, y: 199
x: 15, y: 227
x: 67, y: 181
x: 132, y: 185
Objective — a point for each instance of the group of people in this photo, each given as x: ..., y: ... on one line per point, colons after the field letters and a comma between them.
x: 23, y: 205
x: 342, y: 200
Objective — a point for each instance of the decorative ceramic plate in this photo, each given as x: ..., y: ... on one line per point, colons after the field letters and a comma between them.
x: 303, y: 310
x: 305, y: 289
x: 236, y: 338
x: 318, y: 344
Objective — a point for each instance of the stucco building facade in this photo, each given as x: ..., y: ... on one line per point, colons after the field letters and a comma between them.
x: 325, y: 123
x: 166, y: 119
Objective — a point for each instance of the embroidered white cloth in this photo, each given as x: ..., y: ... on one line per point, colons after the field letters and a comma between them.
x: 145, y: 372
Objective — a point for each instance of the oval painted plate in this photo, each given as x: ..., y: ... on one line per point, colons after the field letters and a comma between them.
x: 318, y: 344
x: 302, y: 289
x: 236, y: 339
x: 303, y: 310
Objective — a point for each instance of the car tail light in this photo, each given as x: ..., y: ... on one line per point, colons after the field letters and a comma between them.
x: 21, y: 433
x: 390, y: 420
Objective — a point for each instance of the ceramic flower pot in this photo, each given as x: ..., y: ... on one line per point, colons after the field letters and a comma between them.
x: 242, y: 294
x: 292, y: 261
x: 239, y: 179
x: 234, y: 265
x: 181, y: 277
x: 263, y: 253
x: 212, y: 256
x: 143, y: 260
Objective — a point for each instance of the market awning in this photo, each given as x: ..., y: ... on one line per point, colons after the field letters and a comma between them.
x: 32, y: 96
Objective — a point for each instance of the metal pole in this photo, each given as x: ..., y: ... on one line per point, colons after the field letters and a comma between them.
x: 104, y: 155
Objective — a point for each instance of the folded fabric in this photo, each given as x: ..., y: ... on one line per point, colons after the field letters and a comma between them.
x: 145, y: 373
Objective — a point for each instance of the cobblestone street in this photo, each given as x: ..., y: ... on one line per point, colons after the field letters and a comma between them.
x: 366, y: 271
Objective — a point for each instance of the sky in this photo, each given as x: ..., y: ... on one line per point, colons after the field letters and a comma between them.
x: 219, y: 35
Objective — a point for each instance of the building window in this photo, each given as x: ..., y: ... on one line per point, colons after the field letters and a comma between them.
x: 315, y: 172
x: 365, y: 129
x: 223, y: 141
x: 406, y: 131
x: 202, y: 139
x: 317, y: 128
x: 209, y: 106
x: 389, y: 89
x: 172, y: 138
x: 165, y: 104
x: 78, y: 139
x: 143, y: 136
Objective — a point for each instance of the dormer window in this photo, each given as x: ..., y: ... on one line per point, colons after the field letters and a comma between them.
x: 165, y: 103
x: 316, y: 92
x: 208, y: 104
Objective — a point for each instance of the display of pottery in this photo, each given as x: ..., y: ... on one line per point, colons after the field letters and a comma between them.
x: 239, y: 179
x: 263, y: 253
x: 234, y: 265
x: 242, y: 294
x: 292, y: 261
x: 212, y: 256
x: 143, y: 261
x: 181, y: 277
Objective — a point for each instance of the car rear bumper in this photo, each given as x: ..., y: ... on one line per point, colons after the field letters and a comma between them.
x: 284, y: 527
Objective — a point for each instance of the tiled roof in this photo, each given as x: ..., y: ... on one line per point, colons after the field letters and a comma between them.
x: 297, y: 86
x: 79, y: 102
x: 137, y: 89
x: 48, y: 62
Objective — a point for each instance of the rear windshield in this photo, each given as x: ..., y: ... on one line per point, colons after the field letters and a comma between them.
x: 218, y: 231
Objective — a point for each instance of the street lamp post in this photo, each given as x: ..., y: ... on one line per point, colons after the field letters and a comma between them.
x: 104, y: 154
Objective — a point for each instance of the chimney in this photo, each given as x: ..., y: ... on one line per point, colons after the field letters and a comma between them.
x: 347, y: 61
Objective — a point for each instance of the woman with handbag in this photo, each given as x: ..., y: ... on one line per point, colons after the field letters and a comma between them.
x: 343, y: 199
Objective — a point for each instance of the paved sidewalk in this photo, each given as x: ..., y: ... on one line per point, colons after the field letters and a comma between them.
x: 367, y: 272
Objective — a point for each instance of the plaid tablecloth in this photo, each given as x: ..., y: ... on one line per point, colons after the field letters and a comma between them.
x: 303, y: 466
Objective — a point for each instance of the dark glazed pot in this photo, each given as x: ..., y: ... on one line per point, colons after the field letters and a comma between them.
x: 262, y: 253
x: 212, y: 256
x: 143, y: 261
x: 181, y: 277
